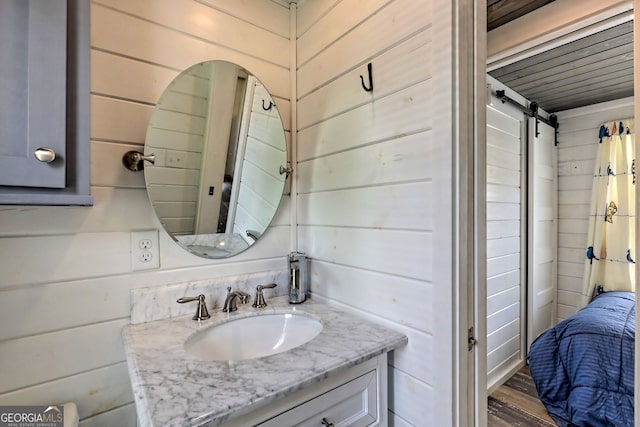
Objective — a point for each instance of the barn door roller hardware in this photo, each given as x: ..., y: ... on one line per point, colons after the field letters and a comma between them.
x: 532, y: 111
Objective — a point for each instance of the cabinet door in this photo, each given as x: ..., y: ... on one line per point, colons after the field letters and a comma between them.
x: 33, y: 54
x: 352, y: 404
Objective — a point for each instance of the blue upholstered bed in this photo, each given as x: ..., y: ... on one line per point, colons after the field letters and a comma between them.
x: 583, y: 367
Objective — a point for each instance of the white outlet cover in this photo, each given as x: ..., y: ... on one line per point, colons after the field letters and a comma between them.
x: 145, y: 250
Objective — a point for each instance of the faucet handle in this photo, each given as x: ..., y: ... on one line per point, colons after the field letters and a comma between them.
x: 201, y: 311
x: 259, y: 301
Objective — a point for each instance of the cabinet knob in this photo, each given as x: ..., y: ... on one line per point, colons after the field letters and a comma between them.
x: 45, y: 154
x: 327, y: 423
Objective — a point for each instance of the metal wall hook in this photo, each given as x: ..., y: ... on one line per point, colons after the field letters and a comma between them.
x: 134, y: 160
x: 271, y: 104
x: 364, y: 86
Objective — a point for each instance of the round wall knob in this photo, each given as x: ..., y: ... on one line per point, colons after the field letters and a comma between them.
x: 45, y: 154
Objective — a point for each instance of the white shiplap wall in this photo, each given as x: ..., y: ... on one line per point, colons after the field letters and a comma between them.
x: 177, y: 129
x: 259, y: 180
x: 505, y: 285
x: 577, y: 150
x: 66, y: 273
x: 365, y: 203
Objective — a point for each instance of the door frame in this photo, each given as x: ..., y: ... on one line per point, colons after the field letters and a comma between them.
x: 551, y: 32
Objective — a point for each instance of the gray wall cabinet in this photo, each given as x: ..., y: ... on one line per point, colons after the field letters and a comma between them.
x: 44, y: 102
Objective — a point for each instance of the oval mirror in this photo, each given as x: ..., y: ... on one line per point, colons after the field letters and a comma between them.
x: 219, y: 144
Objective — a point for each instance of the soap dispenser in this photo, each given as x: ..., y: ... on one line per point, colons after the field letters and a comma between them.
x: 298, y: 277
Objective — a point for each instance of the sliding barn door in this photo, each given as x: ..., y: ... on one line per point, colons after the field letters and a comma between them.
x: 505, y: 252
x: 543, y: 226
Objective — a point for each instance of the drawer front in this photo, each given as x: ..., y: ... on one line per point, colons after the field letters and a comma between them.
x: 352, y: 404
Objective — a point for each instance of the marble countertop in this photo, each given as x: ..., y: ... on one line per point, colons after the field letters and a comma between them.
x: 174, y: 388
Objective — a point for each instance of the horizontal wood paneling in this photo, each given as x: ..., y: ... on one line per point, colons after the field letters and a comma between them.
x: 63, y: 257
x: 112, y: 208
x: 49, y: 356
x: 501, y: 336
x: 403, y: 305
x: 311, y: 11
x: 504, y: 249
x: 400, y: 160
x: 410, y: 358
x: 121, y: 77
x: 497, y: 229
x: 504, y: 299
x: 503, y: 264
x: 503, y: 317
x: 208, y: 24
x: 155, y: 44
x: 578, y: 136
x: 503, y: 282
x: 338, y: 20
x: 366, y: 207
x: 64, y: 306
x: 401, y: 206
x: 399, y: 114
x: 260, y: 13
x: 345, y: 92
x: 590, y: 70
x: 120, y: 416
x: 413, y: 391
x: 119, y: 120
x: 399, y: 20
x: 67, y: 273
x: 402, y: 253
x: 88, y: 390
x: 107, y: 170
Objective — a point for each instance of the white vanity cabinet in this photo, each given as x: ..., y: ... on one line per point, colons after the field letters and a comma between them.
x: 356, y: 398
x: 338, y: 378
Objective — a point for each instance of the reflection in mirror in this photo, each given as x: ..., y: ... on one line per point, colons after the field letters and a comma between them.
x: 218, y: 142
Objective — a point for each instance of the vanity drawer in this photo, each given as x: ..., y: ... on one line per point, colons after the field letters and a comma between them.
x: 354, y: 403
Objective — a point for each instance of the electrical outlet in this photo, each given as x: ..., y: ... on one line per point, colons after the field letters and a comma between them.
x: 146, y: 256
x: 145, y: 251
x: 145, y: 244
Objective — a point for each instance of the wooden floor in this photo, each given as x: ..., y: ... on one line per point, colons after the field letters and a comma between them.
x: 516, y: 403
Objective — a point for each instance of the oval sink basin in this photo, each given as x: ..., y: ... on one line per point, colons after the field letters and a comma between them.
x: 253, y: 337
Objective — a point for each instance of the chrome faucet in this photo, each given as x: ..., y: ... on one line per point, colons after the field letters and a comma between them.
x: 230, y: 303
x: 201, y: 310
x: 259, y: 301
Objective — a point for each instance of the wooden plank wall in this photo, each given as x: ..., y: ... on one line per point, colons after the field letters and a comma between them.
x: 505, y: 148
x: 66, y: 271
x: 177, y: 129
x: 260, y: 180
x: 576, y: 160
x: 365, y: 203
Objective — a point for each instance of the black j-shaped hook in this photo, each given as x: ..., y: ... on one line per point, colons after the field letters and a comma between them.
x: 364, y: 86
x: 271, y: 104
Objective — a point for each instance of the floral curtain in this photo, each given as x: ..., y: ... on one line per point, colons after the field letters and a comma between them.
x: 610, y: 251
